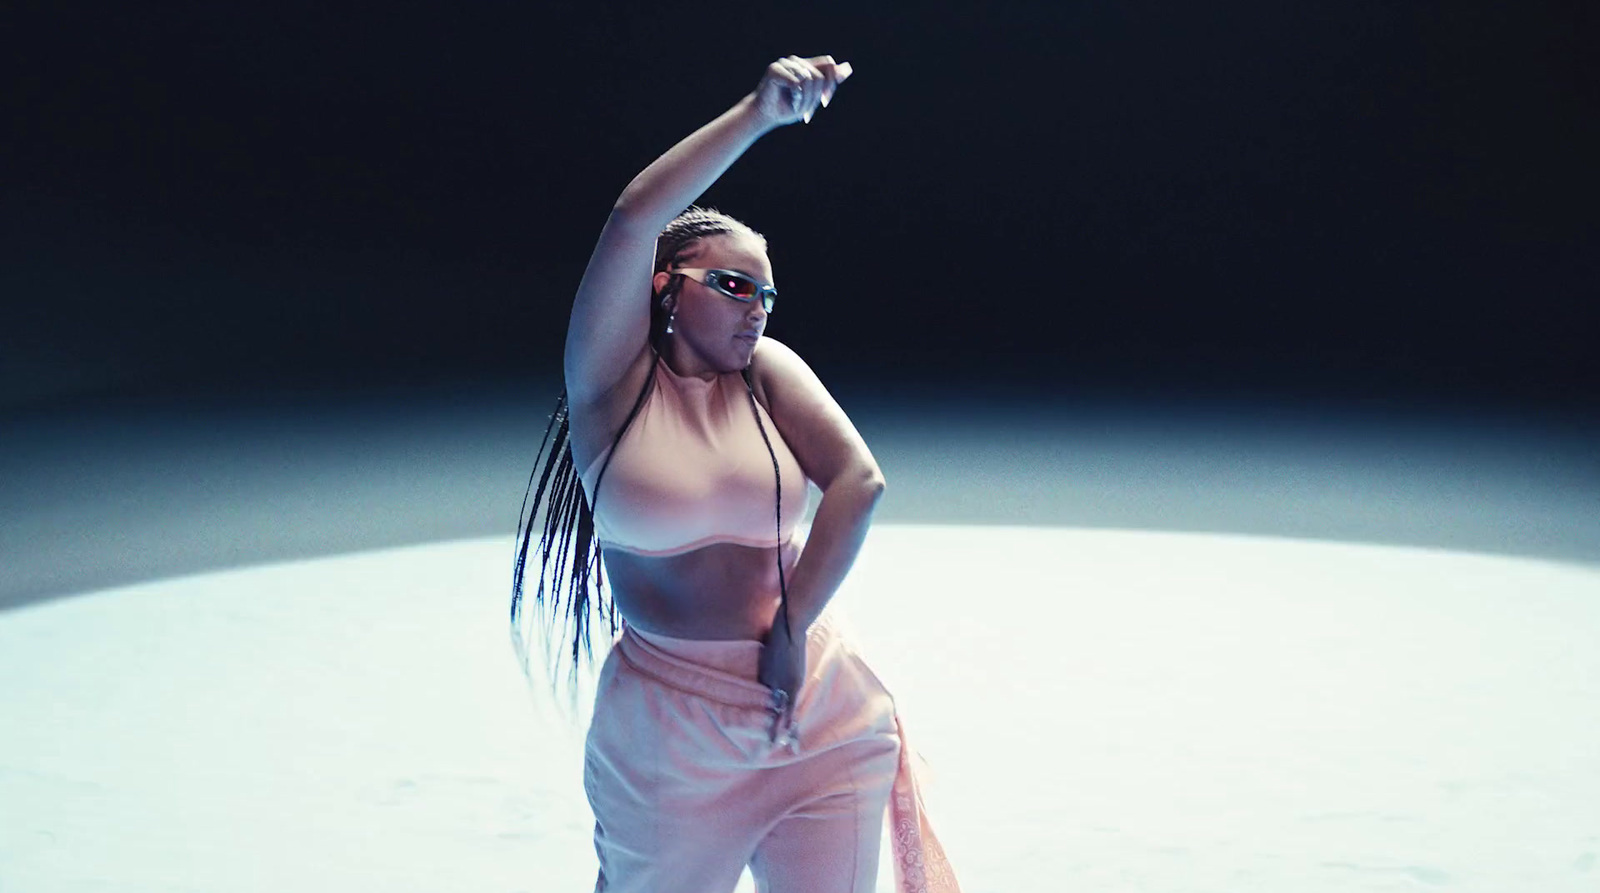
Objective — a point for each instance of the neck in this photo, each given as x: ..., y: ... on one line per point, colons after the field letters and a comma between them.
x: 684, y: 362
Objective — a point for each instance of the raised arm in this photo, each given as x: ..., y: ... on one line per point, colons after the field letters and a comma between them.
x: 610, y: 323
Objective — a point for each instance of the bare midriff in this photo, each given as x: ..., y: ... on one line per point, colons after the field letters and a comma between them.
x: 719, y: 591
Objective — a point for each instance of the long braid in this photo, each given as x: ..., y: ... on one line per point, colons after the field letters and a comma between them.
x: 567, y: 536
x: 777, y: 502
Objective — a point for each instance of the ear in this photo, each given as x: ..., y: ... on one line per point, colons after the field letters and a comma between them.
x: 659, y: 282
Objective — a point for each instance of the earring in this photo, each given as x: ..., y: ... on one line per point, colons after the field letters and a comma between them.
x: 671, y: 319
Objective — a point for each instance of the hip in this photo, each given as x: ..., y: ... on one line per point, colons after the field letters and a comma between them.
x: 699, y: 701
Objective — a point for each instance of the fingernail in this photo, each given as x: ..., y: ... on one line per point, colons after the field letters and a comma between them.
x: 807, y: 118
x: 825, y: 98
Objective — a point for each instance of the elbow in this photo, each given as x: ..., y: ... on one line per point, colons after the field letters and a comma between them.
x: 642, y: 209
x: 863, y: 487
x: 629, y: 220
x: 872, y: 485
x: 626, y: 206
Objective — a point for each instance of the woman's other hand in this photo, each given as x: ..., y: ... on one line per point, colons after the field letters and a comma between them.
x: 792, y: 88
x: 782, y: 668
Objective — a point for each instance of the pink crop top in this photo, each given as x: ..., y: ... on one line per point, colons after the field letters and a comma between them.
x: 692, y: 470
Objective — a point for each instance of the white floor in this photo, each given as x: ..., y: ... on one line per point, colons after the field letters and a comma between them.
x: 1103, y: 710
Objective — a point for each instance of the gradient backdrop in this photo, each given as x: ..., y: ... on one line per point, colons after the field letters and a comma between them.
x: 1232, y: 364
x: 1376, y: 202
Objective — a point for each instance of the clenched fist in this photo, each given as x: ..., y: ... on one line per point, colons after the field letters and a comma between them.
x: 792, y: 88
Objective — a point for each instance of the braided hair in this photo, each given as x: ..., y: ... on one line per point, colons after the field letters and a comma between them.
x: 570, y: 585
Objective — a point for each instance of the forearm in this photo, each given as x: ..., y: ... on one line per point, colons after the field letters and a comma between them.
x: 837, y: 532
x: 673, y: 181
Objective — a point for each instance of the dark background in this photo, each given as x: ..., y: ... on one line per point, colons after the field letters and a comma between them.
x: 1379, y: 202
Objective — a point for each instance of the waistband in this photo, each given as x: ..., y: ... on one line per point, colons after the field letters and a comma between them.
x: 721, y: 670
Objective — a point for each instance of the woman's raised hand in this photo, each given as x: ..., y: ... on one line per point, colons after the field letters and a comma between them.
x: 792, y: 88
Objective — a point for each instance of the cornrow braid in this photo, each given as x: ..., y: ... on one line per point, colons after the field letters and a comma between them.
x: 675, y: 247
x: 570, y: 586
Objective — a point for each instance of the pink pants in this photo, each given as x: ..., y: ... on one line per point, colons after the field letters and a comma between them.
x: 687, y: 787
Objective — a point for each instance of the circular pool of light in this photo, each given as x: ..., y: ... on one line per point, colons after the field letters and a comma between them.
x: 1101, y: 709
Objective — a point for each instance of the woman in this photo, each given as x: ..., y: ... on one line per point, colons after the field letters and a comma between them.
x: 733, y: 723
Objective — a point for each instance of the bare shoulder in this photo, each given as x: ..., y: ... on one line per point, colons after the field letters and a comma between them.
x: 825, y: 442
x: 778, y: 373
